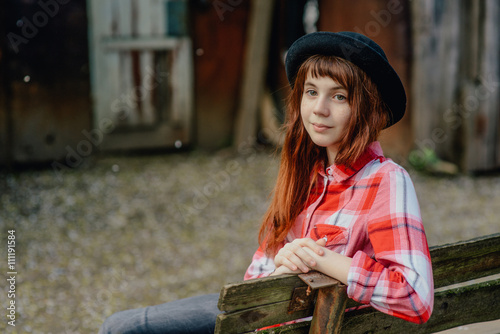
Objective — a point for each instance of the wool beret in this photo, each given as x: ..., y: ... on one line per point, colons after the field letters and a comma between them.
x: 359, y: 50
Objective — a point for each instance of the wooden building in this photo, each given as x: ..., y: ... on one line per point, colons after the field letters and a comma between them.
x: 80, y: 76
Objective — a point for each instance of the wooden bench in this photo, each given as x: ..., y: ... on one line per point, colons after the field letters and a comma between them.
x: 467, y: 290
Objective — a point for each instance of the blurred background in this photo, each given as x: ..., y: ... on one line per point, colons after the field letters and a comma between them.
x: 138, y: 137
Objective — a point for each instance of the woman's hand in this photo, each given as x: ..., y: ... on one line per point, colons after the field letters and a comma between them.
x: 282, y: 270
x: 302, y: 255
x: 332, y: 264
x: 294, y: 257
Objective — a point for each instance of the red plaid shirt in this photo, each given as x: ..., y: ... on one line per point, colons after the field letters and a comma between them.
x: 369, y: 212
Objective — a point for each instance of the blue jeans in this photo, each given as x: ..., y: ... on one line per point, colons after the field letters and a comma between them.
x: 190, y: 315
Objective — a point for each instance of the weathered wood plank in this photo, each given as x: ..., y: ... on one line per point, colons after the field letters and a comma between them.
x: 483, y: 140
x: 436, y: 35
x: 274, y: 306
x: 455, y: 307
x: 152, y: 139
x: 467, y: 260
x: 258, y: 317
x: 329, y: 310
x: 182, y: 87
x: 254, y: 71
x: 146, y: 43
x: 237, y: 296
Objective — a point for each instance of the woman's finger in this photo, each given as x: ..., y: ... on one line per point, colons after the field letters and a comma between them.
x: 294, y: 257
x: 305, y: 257
x: 311, y: 244
x: 290, y: 256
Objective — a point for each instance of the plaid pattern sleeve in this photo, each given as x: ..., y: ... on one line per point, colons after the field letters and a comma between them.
x: 397, y: 277
x: 261, y: 266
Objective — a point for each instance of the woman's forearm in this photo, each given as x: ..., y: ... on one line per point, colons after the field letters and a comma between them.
x: 332, y: 264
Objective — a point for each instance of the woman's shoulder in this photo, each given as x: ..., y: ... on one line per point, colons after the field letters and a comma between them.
x: 383, y: 167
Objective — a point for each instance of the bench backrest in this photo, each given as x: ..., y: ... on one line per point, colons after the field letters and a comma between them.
x: 254, y: 304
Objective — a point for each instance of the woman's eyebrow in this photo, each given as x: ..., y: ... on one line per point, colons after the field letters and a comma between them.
x: 339, y: 87
x: 309, y: 83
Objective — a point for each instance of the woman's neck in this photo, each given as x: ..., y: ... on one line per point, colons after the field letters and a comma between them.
x: 331, y: 154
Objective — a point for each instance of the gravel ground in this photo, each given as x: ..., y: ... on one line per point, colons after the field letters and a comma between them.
x: 126, y: 232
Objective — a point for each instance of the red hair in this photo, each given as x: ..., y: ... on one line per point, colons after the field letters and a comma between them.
x: 300, y: 156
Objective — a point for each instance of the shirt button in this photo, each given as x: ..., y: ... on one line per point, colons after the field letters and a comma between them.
x: 330, y: 172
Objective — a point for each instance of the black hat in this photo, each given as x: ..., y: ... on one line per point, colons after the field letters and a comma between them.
x: 359, y: 50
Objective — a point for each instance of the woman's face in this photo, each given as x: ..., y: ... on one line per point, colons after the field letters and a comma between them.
x: 325, y: 112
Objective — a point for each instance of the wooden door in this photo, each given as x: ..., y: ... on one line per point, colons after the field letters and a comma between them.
x: 141, y: 73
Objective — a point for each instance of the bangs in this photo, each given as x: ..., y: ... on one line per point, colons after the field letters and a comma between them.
x: 338, y: 69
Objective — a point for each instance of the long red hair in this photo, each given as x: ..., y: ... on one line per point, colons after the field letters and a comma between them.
x: 300, y: 156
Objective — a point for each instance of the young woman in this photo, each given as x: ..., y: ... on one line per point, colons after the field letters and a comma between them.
x: 339, y: 206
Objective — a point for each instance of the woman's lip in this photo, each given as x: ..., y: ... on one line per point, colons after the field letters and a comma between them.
x: 320, y: 127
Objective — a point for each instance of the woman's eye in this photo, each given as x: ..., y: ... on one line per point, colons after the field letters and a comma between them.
x: 311, y: 92
x: 339, y: 97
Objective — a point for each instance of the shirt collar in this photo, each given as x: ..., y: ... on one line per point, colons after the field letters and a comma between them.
x: 342, y: 172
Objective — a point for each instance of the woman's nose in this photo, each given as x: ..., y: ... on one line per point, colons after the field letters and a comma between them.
x: 321, y: 107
